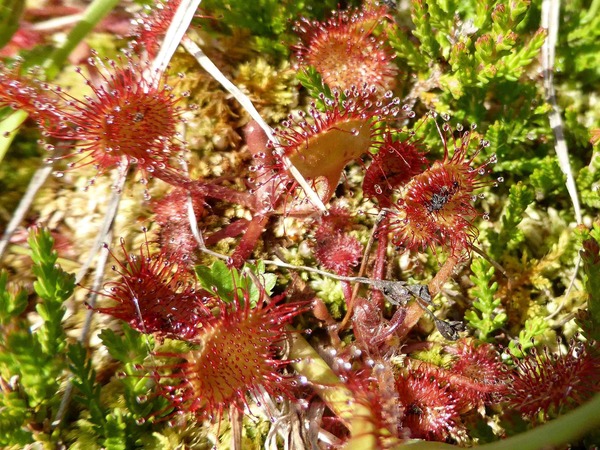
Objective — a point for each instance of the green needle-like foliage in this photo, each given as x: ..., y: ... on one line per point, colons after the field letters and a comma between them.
x: 12, y: 304
x: 267, y: 21
x: 84, y: 379
x: 131, y: 349
x: 588, y: 181
x: 590, y: 255
x: 313, y: 83
x: 510, y: 236
x: 486, y: 315
x: 37, y: 358
x: 54, y: 286
x: 533, y: 329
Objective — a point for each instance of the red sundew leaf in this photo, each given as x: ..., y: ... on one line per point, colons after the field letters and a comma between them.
x: 26, y: 93
x: 153, y: 298
x: 375, y: 389
x: 151, y: 27
x: 436, y: 206
x: 334, y: 248
x: 344, y: 50
x: 130, y: 119
x: 549, y: 384
x: 175, y: 236
x: 477, y: 375
x: 429, y: 408
x: 339, y: 253
x: 321, y: 143
x: 395, y: 164
x: 236, y: 356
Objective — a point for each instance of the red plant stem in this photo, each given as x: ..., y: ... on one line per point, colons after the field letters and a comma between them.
x: 361, y: 271
x: 249, y: 239
x: 218, y: 192
x: 380, y: 262
x: 232, y: 230
x: 347, y: 290
x: 413, y: 314
x: 435, y: 285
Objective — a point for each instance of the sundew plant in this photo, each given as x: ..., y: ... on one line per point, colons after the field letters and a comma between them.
x: 299, y: 224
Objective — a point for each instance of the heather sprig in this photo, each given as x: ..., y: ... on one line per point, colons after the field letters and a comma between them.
x: 312, y: 81
x: 34, y: 363
x: 53, y: 285
x: 134, y: 374
x: 533, y: 330
x: 510, y: 236
x: 12, y: 303
x: 590, y: 255
x: 588, y: 180
x: 486, y: 315
x: 84, y: 380
x: 267, y: 21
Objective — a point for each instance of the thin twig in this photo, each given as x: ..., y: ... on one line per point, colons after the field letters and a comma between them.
x: 36, y: 183
x: 105, y: 235
x: 97, y: 284
x: 362, y: 269
x: 394, y: 290
x: 58, y: 22
x: 246, y: 103
x: 109, y: 218
x: 179, y: 25
x: 550, y: 20
x: 193, y: 222
x: 496, y: 265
